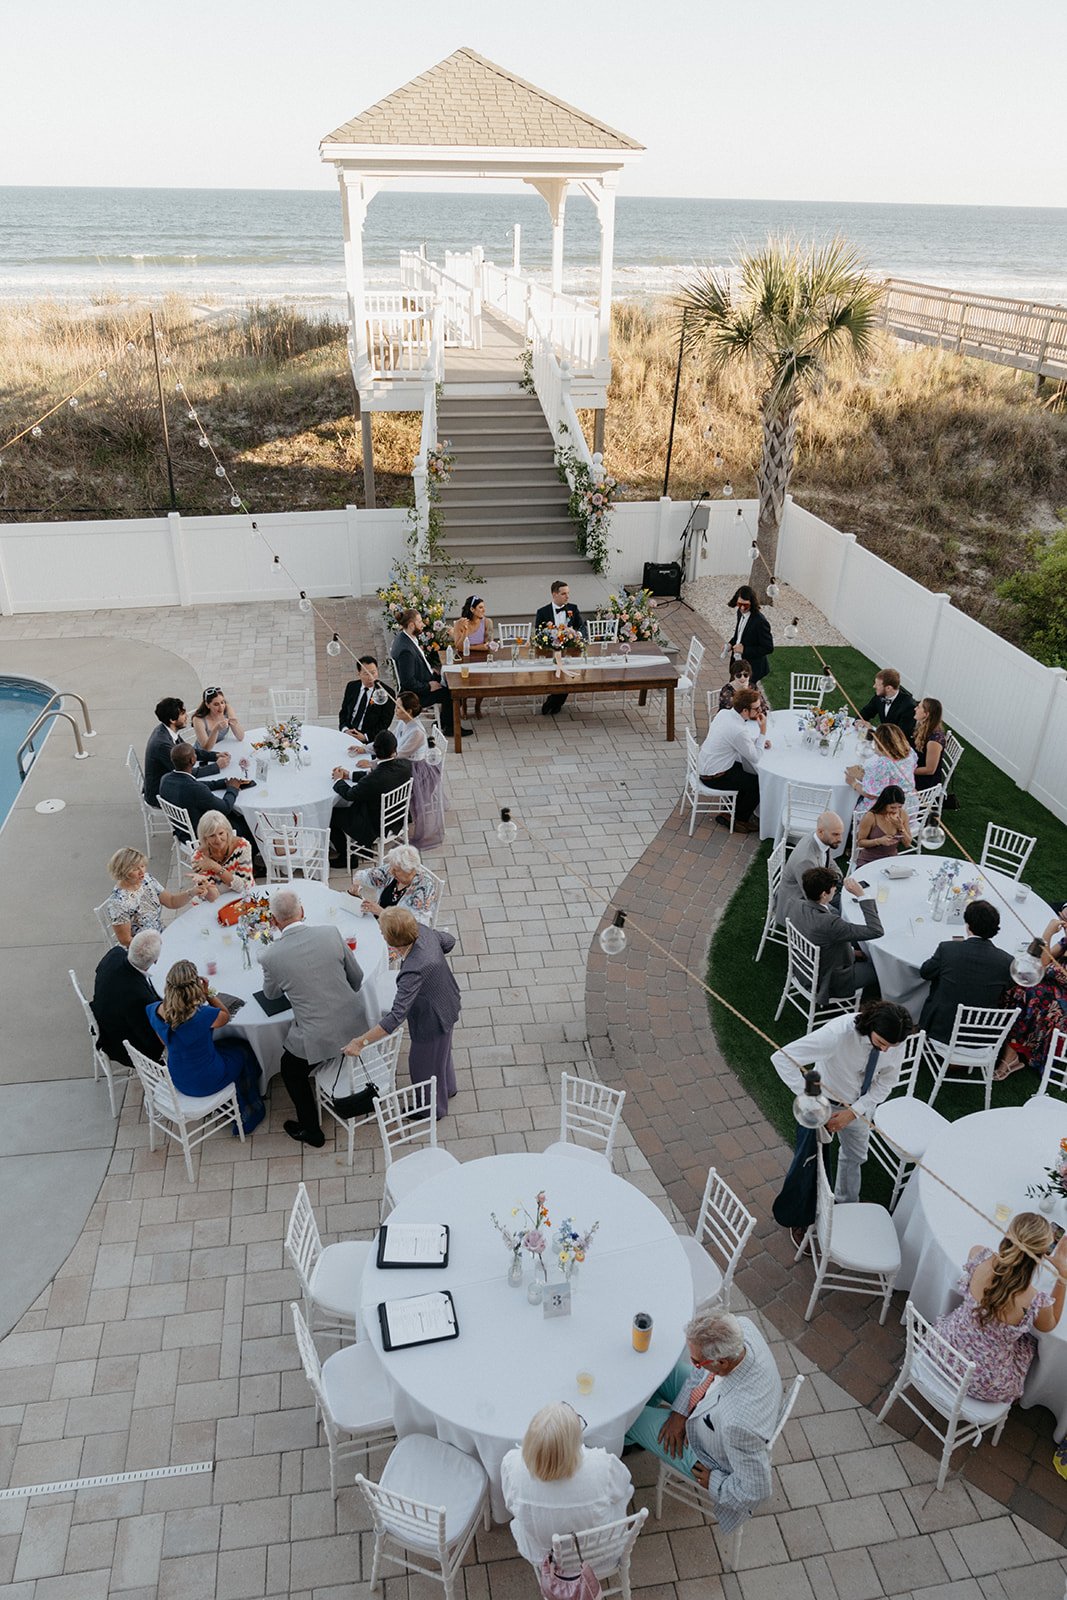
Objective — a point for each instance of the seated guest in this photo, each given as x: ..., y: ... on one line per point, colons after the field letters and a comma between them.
x: 752, y: 638
x: 222, y: 860
x: 890, y: 703
x: 559, y: 612
x: 426, y: 822
x: 730, y: 755
x: 1002, y: 1305
x: 401, y: 881
x: 214, y: 719
x: 725, y: 1397
x: 121, y: 991
x: 360, y: 819
x: 472, y: 626
x: 415, y: 671
x: 841, y: 971
x: 972, y: 971
x: 408, y: 728
x: 136, y: 900
x: 187, y: 1019
x: 816, y: 849
x: 180, y: 788
x: 1043, y: 1008
x: 929, y: 742
x: 359, y: 716
x: 740, y: 678
x: 172, y: 717
x: 893, y: 762
x: 883, y: 830
x: 555, y: 1484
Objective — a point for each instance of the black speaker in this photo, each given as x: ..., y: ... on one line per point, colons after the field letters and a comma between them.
x: 663, y: 578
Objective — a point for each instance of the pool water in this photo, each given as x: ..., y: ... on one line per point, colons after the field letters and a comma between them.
x: 20, y: 701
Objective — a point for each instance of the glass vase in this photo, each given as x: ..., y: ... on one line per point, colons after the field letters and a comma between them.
x: 515, y: 1271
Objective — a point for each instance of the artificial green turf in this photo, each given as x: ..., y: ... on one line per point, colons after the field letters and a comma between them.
x: 985, y: 795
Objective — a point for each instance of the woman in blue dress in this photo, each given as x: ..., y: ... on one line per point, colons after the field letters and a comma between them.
x: 187, y: 1020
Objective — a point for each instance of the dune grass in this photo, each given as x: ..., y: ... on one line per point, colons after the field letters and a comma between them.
x: 985, y: 795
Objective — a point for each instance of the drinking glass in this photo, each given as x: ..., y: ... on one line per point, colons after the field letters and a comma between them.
x: 883, y: 893
x: 1002, y: 1215
x: 585, y: 1382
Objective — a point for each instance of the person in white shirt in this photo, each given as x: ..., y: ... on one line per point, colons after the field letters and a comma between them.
x: 859, y: 1057
x: 730, y: 755
x: 556, y: 1484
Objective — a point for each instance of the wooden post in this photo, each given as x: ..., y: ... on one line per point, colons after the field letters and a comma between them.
x: 368, y: 460
x: 598, y: 430
x: 163, y: 414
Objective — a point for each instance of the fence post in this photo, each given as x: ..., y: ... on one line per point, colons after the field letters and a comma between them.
x: 848, y: 544
x: 663, y: 522
x: 7, y: 606
x: 177, y: 555
x: 1056, y: 676
x: 355, y: 563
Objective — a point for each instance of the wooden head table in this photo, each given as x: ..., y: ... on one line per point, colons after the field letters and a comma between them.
x: 644, y: 669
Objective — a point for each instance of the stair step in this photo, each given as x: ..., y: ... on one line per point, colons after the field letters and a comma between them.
x: 516, y: 517
x: 518, y: 405
x: 512, y: 456
x: 509, y: 533
x: 465, y: 496
x: 517, y: 478
x: 522, y: 432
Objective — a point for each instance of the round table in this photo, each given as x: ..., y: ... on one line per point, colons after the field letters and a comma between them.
x: 480, y: 1390
x: 911, y: 935
x: 990, y: 1158
x: 196, y: 936
x: 790, y: 760
x: 307, y: 789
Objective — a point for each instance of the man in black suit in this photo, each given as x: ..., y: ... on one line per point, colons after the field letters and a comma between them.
x: 414, y: 670
x: 972, y: 971
x: 121, y: 991
x: 172, y: 717
x: 359, y: 715
x: 559, y: 610
x: 752, y: 639
x: 179, y: 788
x: 360, y: 820
x: 890, y: 703
x: 841, y: 971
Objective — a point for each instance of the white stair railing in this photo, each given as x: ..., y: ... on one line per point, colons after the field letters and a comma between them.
x: 433, y: 375
x: 552, y: 385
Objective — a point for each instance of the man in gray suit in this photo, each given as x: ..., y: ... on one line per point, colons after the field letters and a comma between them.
x: 321, y: 978
x: 841, y: 970
x: 816, y: 849
x: 965, y: 972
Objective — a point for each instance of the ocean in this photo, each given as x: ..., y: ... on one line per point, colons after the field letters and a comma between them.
x: 230, y: 246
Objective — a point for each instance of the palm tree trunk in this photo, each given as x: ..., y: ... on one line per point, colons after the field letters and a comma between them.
x: 772, y: 480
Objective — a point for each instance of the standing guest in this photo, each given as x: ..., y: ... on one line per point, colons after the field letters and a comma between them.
x: 554, y: 1484
x: 137, y: 899
x: 472, y: 626
x: 187, y: 1020
x: 172, y: 717
x: 972, y: 971
x: 415, y: 671
x: 427, y: 998
x: 359, y: 717
x: 883, y: 831
x: 222, y: 860
x: 180, y: 788
x: 1043, y: 1008
x: 730, y: 756
x: 740, y: 678
x: 841, y: 971
x: 890, y: 703
x: 121, y: 991
x: 361, y: 819
x: 725, y: 1397
x: 322, y: 980
x: 561, y: 613
x: 213, y: 719
x: 994, y: 1327
x: 893, y: 762
x: 816, y: 849
x: 752, y: 639
x: 929, y: 742
x: 859, y: 1056
x: 401, y: 881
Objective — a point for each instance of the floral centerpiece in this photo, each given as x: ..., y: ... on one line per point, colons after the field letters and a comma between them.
x: 556, y: 638
x: 409, y: 589
x: 283, y: 739
x: 637, y: 617
x: 1056, y: 1188
x: 824, y: 722
x: 527, y: 1234
x: 572, y: 1246
x: 440, y: 462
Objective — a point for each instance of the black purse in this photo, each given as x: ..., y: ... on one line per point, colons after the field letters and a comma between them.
x: 359, y: 1104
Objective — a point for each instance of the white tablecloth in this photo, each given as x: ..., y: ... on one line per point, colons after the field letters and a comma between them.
x: 479, y: 1391
x: 990, y: 1158
x: 790, y: 760
x: 592, y: 659
x: 911, y: 934
x: 308, y: 789
x: 196, y: 936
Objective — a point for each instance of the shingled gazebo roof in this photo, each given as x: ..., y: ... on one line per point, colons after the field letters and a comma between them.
x: 467, y: 101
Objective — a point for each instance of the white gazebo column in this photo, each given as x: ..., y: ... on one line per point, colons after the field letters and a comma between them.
x: 604, y: 199
x: 356, y: 195
x: 553, y: 192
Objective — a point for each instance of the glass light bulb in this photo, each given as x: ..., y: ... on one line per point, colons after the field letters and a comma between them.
x: 827, y: 684
x: 717, y: 461
x: 792, y: 630
x: 753, y: 550
x: 812, y: 1110
x: 506, y: 830
x: 35, y: 433
x: 164, y: 361
x: 305, y: 603
x: 379, y: 696
x: 102, y: 373
x: 708, y: 432
x: 613, y: 938
x: 130, y: 347
x: 932, y: 837
x: 220, y: 471
x: 334, y: 646
x: 727, y: 489
x: 73, y: 402
x: 235, y: 501
x: 772, y: 590
x: 705, y: 405
x: 205, y: 444
x: 179, y: 388
x: 1026, y: 970
x: 191, y: 415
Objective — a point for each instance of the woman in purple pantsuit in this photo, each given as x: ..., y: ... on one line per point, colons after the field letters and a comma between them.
x: 427, y: 998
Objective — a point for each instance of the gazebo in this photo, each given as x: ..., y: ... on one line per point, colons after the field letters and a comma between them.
x: 468, y: 118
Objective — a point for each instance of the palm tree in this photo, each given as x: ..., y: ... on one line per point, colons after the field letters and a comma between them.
x: 795, y: 312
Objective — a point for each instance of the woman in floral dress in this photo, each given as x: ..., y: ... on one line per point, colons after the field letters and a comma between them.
x: 136, y: 901
x: 222, y: 860
x: 893, y: 763
x: 1043, y: 1008
x: 994, y: 1327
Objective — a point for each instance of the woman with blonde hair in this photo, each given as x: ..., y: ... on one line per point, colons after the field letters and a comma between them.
x: 893, y: 763
x: 222, y: 859
x: 187, y: 1020
x: 994, y: 1327
x: 556, y: 1484
x: 137, y: 900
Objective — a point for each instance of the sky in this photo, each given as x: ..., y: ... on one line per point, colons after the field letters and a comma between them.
x: 923, y: 101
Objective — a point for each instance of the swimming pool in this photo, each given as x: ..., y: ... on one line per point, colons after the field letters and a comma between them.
x: 20, y: 701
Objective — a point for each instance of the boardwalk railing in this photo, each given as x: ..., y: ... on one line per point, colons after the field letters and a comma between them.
x: 1025, y: 334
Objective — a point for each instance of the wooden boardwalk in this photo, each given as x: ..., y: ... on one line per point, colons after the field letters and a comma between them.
x: 1024, y: 334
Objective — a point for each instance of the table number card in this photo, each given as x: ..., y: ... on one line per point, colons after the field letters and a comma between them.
x: 557, y: 1300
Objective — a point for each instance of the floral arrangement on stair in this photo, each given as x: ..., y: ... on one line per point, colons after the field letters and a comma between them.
x: 592, y: 494
x: 637, y: 617
x: 411, y: 588
x: 440, y: 462
x: 526, y: 382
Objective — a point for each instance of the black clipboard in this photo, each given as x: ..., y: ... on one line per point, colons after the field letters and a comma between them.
x: 273, y: 1008
x: 391, y: 1266
x: 433, y: 1338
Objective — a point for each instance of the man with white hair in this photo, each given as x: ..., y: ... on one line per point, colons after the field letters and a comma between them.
x: 816, y: 849
x: 725, y: 1397
x: 316, y: 972
x: 121, y: 990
